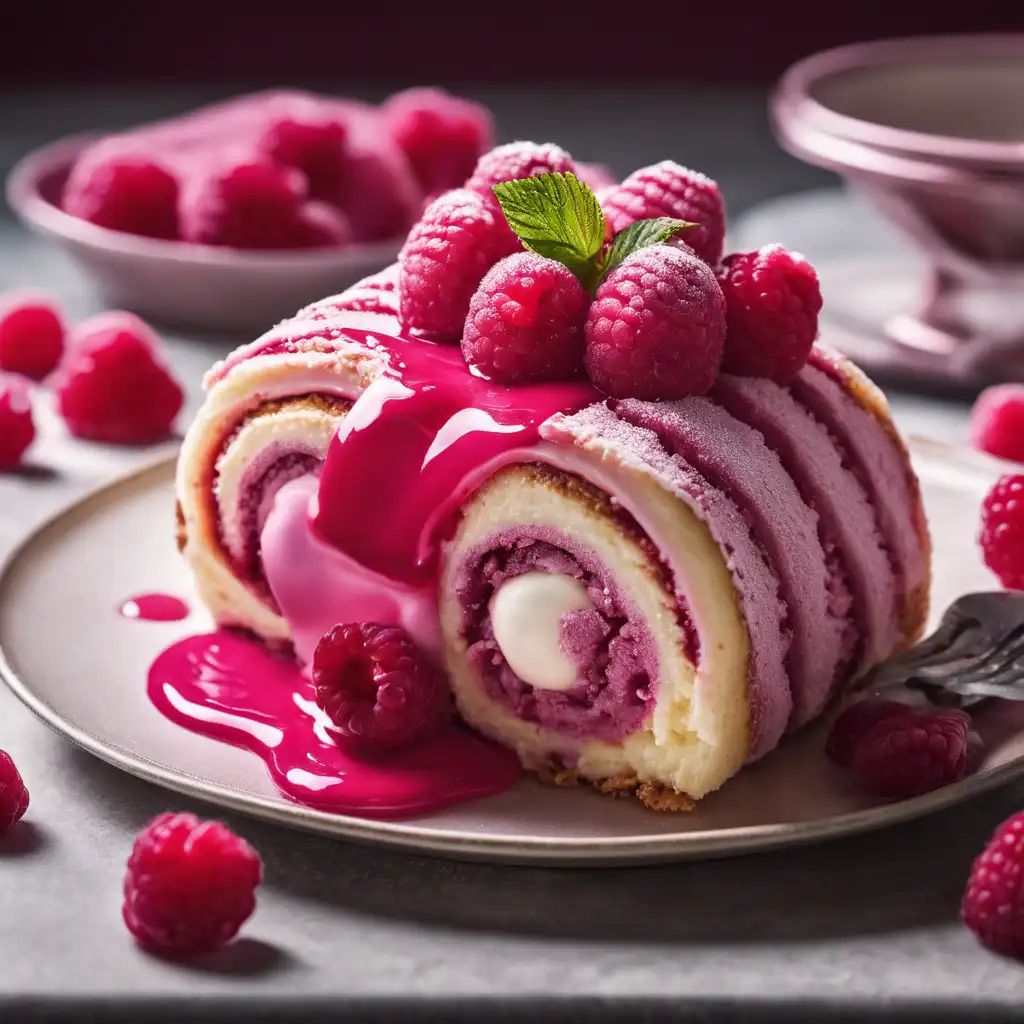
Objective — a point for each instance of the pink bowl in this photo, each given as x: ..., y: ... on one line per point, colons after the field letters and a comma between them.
x: 197, y: 286
x: 932, y: 131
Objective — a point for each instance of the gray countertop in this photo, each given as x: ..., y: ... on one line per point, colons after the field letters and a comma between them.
x: 864, y: 928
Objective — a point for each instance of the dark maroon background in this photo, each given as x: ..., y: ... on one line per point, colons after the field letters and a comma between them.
x: 492, y: 42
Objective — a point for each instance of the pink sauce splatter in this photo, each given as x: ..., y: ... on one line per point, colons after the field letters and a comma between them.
x: 154, y: 608
x: 232, y: 689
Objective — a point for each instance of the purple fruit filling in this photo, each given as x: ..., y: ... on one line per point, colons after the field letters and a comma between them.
x: 616, y: 655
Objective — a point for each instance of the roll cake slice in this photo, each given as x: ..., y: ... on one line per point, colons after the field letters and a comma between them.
x: 644, y: 596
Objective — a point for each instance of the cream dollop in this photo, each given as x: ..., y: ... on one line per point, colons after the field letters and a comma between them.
x: 526, y: 615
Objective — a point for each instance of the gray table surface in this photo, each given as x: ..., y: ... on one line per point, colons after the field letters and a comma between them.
x: 859, y: 929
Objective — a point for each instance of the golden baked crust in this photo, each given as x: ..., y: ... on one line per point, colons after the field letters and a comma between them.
x: 653, y: 795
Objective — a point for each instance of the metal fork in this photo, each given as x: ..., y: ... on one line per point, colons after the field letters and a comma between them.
x: 976, y: 653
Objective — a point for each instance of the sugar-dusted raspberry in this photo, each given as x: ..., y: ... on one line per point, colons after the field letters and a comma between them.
x: 518, y: 160
x: 114, y: 384
x: 124, y: 193
x: 993, y: 902
x: 376, y: 686
x: 772, y: 301
x: 377, y: 293
x: 441, y: 135
x: 31, y: 334
x: 190, y: 884
x: 17, y: 428
x: 13, y: 793
x: 1002, y: 530
x: 851, y: 725
x: 319, y: 225
x: 905, y: 755
x: 456, y: 241
x: 997, y: 422
x: 380, y: 195
x: 668, y: 190
x: 314, y: 142
x: 525, y: 321
x: 656, y: 327
x: 252, y: 205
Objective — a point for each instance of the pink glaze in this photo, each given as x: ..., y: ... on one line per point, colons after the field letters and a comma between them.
x: 231, y: 689
x: 154, y: 608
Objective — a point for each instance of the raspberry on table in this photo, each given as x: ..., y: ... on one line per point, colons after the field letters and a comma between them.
x: 517, y: 160
x: 31, y: 334
x: 525, y: 321
x: 997, y: 422
x: 13, y: 793
x: 17, y: 428
x: 190, y: 884
x: 441, y: 135
x: 124, y: 193
x: 902, y: 756
x: 993, y: 901
x: 772, y: 301
x: 313, y: 143
x: 377, y: 293
x: 456, y: 241
x: 1002, y: 530
x: 856, y: 720
x: 666, y: 189
x: 114, y: 384
x: 376, y: 686
x: 656, y: 328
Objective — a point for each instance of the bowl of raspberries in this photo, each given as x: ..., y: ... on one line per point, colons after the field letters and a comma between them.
x: 232, y: 216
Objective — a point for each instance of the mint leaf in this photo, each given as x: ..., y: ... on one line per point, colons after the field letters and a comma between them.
x: 557, y: 216
x: 639, y: 235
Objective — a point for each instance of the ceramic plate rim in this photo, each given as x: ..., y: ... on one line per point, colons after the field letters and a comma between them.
x: 455, y: 844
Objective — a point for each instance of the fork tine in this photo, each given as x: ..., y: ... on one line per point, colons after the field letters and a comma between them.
x: 993, y: 662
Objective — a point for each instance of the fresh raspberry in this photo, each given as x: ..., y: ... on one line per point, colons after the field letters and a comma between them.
x: 997, y: 422
x: 17, y: 429
x: 245, y: 206
x: 380, y: 195
x: 518, y: 160
x: 905, y: 755
x: 13, y: 793
x: 851, y: 725
x: 456, y: 241
x: 772, y: 301
x: 314, y: 143
x: 525, y: 321
x: 124, y: 193
x: 114, y: 385
x: 993, y: 903
x: 31, y: 334
x: 375, y: 294
x: 441, y: 135
x: 656, y: 328
x: 668, y: 190
x: 319, y: 225
x: 190, y: 884
x: 1002, y: 530
x: 376, y: 686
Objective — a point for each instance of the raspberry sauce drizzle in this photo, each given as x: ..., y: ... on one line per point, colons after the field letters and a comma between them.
x: 234, y: 690
x: 154, y: 608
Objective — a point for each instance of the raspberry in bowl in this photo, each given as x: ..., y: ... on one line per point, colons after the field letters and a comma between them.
x: 232, y: 216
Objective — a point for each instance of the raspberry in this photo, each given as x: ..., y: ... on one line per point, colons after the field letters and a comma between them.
x: 245, y: 206
x: 375, y: 686
x: 441, y: 135
x: 124, y: 193
x: 379, y: 194
x: 17, y: 429
x: 113, y: 385
x: 772, y: 301
x: 905, y: 755
x: 997, y: 422
x: 319, y: 225
x: 518, y: 160
x: 457, y: 240
x: 190, y: 884
x: 993, y: 903
x: 668, y: 190
x: 656, y: 328
x: 525, y: 321
x: 375, y: 294
x: 314, y: 144
x: 856, y: 720
x: 13, y: 794
x: 598, y: 177
x: 31, y: 334
x: 1002, y: 530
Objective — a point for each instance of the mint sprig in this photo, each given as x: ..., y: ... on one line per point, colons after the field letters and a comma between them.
x: 558, y: 216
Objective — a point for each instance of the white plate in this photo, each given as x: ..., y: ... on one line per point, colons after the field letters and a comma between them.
x: 82, y: 669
